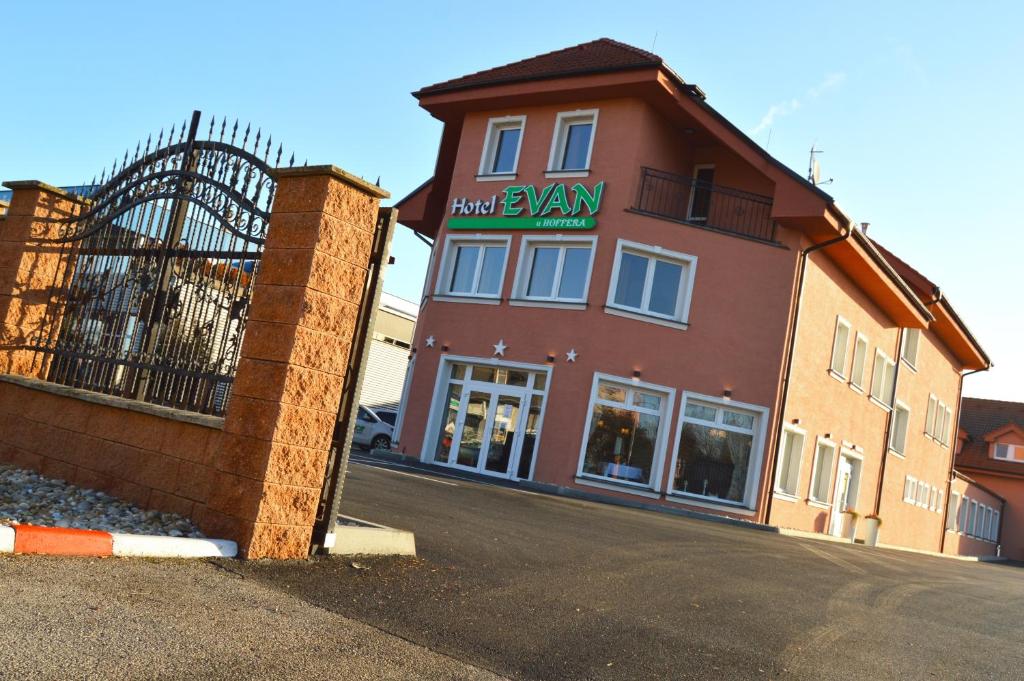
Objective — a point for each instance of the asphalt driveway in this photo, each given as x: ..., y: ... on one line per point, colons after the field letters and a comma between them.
x: 538, y: 587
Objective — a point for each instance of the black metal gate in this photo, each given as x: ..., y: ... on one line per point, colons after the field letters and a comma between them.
x: 158, y: 267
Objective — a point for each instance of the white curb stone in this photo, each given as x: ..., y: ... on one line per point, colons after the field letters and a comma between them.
x: 6, y: 539
x: 151, y: 546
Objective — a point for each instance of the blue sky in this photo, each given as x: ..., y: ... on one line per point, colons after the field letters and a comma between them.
x: 917, y: 106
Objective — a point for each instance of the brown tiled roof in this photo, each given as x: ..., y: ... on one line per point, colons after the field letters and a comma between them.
x: 598, y: 56
x: 922, y: 285
x: 978, y: 418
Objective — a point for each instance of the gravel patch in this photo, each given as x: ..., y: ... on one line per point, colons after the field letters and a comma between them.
x: 28, y: 498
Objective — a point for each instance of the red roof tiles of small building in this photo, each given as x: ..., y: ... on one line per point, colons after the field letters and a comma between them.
x: 598, y: 56
x: 980, y: 417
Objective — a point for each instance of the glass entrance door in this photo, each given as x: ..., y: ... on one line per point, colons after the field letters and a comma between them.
x: 486, y: 431
x: 503, y: 434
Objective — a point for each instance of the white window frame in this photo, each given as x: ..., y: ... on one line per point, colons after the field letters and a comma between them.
x: 995, y: 526
x: 490, y: 148
x: 929, y: 419
x: 962, y: 516
x: 524, y: 267
x: 790, y: 431
x: 947, y: 425
x: 857, y: 382
x: 889, y: 365
x: 559, y: 137
x: 816, y: 473
x: 840, y: 374
x: 451, y: 245
x: 1011, y: 452
x: 952, y: 510
x: 986, y: 529
x: 898, y: 407
x: 686, y: 280
x: 668, y: 397
x: 972, y: 520
x: 756, y: 454
x: 911, y: 362
x: 910, y: 490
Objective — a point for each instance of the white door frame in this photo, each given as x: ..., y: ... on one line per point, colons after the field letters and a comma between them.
x: 856, y: 462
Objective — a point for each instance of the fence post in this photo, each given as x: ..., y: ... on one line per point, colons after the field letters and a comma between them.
x: 284, y: 401
x: 29, y: 266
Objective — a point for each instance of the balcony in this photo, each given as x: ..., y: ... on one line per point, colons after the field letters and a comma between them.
x: 705, y: 204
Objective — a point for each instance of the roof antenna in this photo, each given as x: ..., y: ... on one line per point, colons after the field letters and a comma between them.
x: 654, y: 41
x: 814, y: 169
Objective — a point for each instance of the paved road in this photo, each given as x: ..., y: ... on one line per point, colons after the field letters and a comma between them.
x: 539, y: 587
x: 66, y: 619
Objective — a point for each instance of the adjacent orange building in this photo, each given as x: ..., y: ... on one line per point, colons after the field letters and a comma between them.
x: 627, y: 296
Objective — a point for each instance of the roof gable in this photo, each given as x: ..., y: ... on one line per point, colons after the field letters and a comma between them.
x: 597, y: 56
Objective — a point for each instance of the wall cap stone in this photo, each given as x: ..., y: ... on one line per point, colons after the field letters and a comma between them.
x: 337, y: 173
x: 38, y: 184
x: 216, y: 422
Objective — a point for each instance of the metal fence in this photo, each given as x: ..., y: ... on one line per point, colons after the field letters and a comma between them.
x: 695, y: 202
x: 157, y: 269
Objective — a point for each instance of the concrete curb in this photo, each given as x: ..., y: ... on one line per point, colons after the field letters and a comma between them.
x: 63, y: 541
x: 356, y: 537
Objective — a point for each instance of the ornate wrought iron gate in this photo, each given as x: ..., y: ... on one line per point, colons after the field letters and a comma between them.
x: 158, y: 267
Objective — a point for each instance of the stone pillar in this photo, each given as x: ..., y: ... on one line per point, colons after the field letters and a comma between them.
x: 284, y: 401
x: 28, y: 269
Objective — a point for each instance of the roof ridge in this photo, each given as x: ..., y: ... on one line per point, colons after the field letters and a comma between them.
x: 992, y: 399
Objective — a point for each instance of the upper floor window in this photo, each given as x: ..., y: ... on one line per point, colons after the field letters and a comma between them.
x: 1008, y: 452
x: 652, y: 281
x: 840, y: 344
x: 473, y: 266
x: 883, y: 379
x: 937, y: 420
x: 501, y: 146
x: 900, y: 427
x: 555, y: 269
x: 787, y: 479
x: 911, y: 341
x: 573, y: 141
x: 860, y: 359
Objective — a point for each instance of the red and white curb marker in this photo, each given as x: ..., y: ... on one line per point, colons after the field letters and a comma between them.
x: 63, y: 541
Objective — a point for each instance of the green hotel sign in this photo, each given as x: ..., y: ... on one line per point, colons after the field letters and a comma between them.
x: 556, y: 206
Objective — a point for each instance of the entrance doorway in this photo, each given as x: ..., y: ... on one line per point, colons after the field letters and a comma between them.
x: 846, y: 491
x: 490, y: 418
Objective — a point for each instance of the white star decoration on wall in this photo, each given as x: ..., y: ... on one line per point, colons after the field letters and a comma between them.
x: 500, y: 347
x: 571, y: 355
x: 430, y: 340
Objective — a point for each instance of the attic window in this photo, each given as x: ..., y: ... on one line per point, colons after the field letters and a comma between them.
x: 1007, y: 452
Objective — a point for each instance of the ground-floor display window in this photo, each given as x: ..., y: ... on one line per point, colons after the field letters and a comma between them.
x: 719, y: 450
x: 625, y: 431
x: 488, y: 417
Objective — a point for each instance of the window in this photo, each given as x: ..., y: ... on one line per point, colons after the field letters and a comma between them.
x: 995, y: 526
x: 972, y: 519
x: 651, y: 281
x: 555, y: 270
x: 573, y: 141
x: 951, y: 511
x: 933, y: 498
x: 860, y: 358
x: 1006, y: 452
x: 821, y: 475
x: 911, y: 341
x: 929, y: 418
x: 473, y: 266
x: 938, y: 500
x: 719, y: 447
x: 883, y: 379
x: 501, y: 146
x: 840, y: 343
x: 965, y: 507
x: 624, y: 431
x: 947, y: 423
x: 791, y: 453
x: 700, y: 197
x: 910, y: 490
x: 898, y: 434
x: 986, y: 531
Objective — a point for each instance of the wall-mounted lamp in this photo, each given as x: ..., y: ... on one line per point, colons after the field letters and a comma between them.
x: 444, y: 348
x: 636, y: 373
x: 727, y: 392
x: 828, y: 436
x: 796, y: 422
x: 551, y: 358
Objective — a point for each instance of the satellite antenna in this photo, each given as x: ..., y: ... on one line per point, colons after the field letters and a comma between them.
x: 814, y: 168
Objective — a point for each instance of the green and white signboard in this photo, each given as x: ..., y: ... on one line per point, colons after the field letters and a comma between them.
x: 556, y: 206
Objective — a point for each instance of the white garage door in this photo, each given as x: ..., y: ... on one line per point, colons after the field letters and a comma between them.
x: 385, y: 374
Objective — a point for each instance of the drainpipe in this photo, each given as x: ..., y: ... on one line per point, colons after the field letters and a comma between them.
x: 888, y: 421
x: 952, y: 460
x: 789, y: 361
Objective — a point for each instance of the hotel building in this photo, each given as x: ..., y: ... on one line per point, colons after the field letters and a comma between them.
x: 627, y: 296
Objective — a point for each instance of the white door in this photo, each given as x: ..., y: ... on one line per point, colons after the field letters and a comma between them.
x: 487, y: 437
x: 841, y: 500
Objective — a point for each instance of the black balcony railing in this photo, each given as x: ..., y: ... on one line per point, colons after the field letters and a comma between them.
x: 705, y: 204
